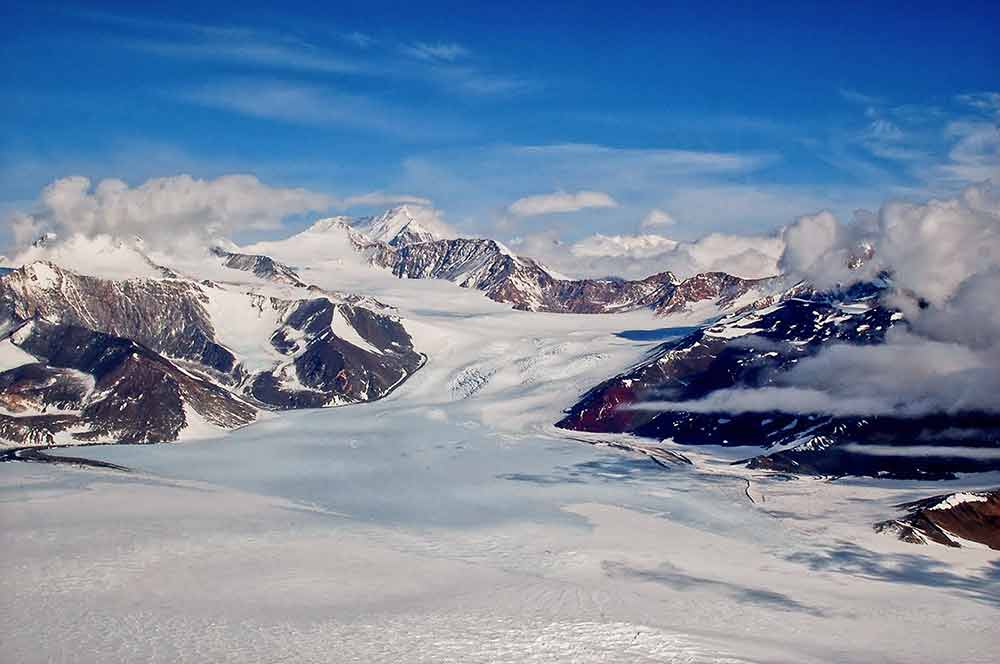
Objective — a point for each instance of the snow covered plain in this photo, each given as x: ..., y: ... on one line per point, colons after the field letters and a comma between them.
x: 450, y: 522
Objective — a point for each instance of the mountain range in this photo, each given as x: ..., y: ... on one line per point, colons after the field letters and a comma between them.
x: 412, y: 245
x: 182, y: 350
x: 158, y: 356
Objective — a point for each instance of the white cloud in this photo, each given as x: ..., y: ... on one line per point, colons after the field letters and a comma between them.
x: 735, y: 207
x: 907, y: 376
x: 383, y: 199
x: 446, y: 51
x: 635, y: 246
x: 359, y: 39
x: 975, y: 155
x: 820, y: 248
x: 169, y: 209
x: 317, y: 106
x: 480, y: 184
x: 658, y: 218
x: 987, y: 102
x: 944, y: 260
x: 931, y: 248
x: 859, y: 98
x: 24, y: 228
x: 560, y: 201
x: 638, y: 256
x: 657, y: 161
x: 308, y: 50
x: 937, y: 149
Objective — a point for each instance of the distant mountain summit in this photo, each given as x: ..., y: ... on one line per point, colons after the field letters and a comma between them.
x: 406, y: 224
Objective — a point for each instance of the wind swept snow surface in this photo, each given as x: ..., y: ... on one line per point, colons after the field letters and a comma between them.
x: 451, y: 522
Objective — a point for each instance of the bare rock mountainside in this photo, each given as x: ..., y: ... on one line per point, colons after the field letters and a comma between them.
x: 412, y: 245
x: 87, y: 359
x: 752, y: 349
x: 264, y: 267
x: 955, y: 520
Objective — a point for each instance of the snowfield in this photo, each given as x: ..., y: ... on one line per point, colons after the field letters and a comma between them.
x: 451, y: 522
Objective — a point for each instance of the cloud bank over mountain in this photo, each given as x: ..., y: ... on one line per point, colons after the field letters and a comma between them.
x: 636, y: 256
x: 943, y: 260
x: 180, y: 210
x: 165, y: 210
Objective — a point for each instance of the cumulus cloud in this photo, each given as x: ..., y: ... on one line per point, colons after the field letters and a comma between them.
x: 638, y: 256
x: 165, y: 210
x: 636, y: 246
x: 657, y: 218
x: 943, y: 259
x: 24, y: 227
x: 819, y: 248
x: 560, y: 201
x: 930, y: 248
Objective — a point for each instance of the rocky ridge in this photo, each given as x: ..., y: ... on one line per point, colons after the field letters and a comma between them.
x: 752, y: 349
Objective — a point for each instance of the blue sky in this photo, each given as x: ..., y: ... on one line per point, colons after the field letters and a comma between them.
x: 733, y: 118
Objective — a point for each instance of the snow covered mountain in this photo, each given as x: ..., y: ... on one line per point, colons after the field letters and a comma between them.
x: 212, y: 339
x: 261, y: 266
x: 143, y: 359
x: 412, y: 244
x: 750, y: 350
x: 406, y: 224
x: 79, y: 385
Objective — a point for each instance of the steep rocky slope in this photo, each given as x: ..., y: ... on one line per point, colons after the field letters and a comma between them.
x: 105, y: 387
x: 137, y: 360
x: 488, y: 266
x: 261, y: 266
x: 954, y: 520
x: 751, y: 350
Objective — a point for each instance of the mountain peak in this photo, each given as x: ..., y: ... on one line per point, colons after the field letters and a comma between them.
x: 330, y: 223
x: 404, y: 224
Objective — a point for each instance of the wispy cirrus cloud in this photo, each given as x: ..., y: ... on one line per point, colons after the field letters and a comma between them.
x: 486, y: 180
x: 359, y: 39
x: 916, y: 150
x: 381, y: 199
x: 317, y: 106
x: 440, y: 51
x: 445, y: 65
x: 662, y: 160
x: 257, y: 52
x: 855, y: 97
x: 986, y: 102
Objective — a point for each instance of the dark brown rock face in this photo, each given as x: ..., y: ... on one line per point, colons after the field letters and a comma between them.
x: 139, y: 360
x: 487, y: 266
x: 165, y: 315
x: 326, y: 369
x: 949, y: 519
x: 115, y: 388
x: 264, y: 267
x: 751, y: 350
